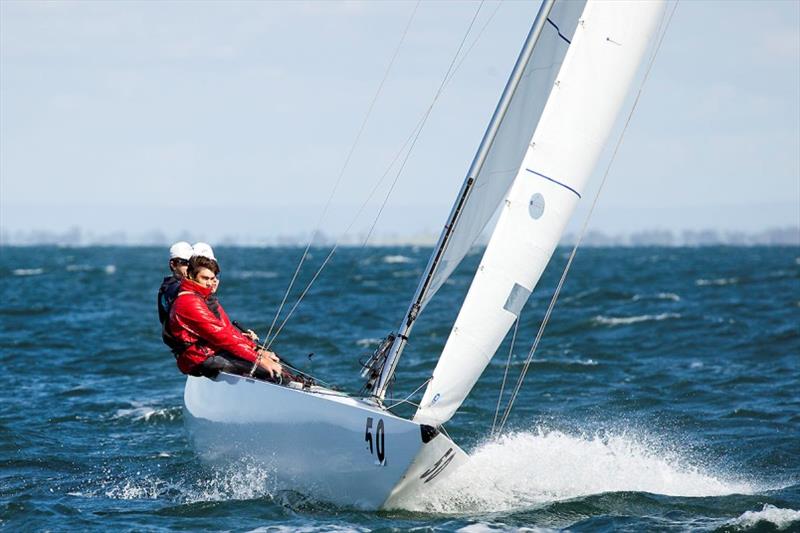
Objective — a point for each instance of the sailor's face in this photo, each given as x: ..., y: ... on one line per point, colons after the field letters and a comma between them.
x: 206, y: 278
x: 179, y: 267
x: 215, y: 285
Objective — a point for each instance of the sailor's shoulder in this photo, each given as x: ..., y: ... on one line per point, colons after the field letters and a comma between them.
x: 168, y: 283
x: 188, y: 300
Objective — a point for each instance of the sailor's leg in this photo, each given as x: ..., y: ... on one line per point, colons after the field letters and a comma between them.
x: 235, y: 365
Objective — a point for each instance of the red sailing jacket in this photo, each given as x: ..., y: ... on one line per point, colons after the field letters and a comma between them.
x: 191, y: 322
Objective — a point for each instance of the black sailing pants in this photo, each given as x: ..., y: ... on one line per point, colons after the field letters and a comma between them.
x: 227, y: 362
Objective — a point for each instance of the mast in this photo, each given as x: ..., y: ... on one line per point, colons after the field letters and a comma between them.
x: 477, y: 163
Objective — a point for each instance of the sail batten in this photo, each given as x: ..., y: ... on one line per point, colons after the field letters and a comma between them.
x: 602, y: 50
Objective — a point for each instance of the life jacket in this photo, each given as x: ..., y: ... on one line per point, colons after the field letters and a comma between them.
x: 198, y: 332
x: 167, y: 293
x: 213, y: 305
x: 166, y: 297
x: 176, y: 346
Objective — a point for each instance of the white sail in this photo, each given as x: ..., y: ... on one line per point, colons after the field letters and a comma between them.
x: 495, y: 176
x: 600, y: 64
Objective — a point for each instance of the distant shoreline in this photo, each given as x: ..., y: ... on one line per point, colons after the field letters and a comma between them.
x: 76, y: 237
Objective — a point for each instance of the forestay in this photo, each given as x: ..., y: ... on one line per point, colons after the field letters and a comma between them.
x: 603, y: 47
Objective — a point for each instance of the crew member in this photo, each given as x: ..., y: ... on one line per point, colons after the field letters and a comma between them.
x: 204, y: 249
x: 179, y: 255
x: 207, y: 344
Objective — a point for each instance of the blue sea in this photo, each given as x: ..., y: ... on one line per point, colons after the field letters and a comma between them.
x: 664, y: 396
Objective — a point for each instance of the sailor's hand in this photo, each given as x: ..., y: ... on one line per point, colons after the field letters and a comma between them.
x: 272, y: 367
x: 250, y: 334
x: 266, y: 354
x: 270, y: 362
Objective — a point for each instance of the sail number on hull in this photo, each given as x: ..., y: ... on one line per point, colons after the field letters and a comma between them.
x: 376, y: 440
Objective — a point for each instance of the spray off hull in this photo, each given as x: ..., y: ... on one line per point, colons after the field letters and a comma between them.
x: 320, y: 443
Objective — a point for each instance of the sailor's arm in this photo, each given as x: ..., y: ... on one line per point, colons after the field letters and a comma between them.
x: 194, y: 313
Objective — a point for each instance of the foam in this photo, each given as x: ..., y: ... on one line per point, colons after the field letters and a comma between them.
x: 368, y: 342
x: 145, y: 488
x: 782, y: 518
x: 531, y: 468
x: 392, y: 259
x: 334, y: 528
x: 625, y: 320
x: 483, y: 527
x: 147, y: 413
x: 671, y: 296
x: 241, y: 481
x: 581, y: 362
x: 27, y: 271
x: 253, y: 274
x: 717, y: 281
x: 79, y: 268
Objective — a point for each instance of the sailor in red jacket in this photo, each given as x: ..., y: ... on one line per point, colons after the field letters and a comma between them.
x: 211, y: 345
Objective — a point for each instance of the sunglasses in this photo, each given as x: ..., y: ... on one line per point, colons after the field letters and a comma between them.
x: 181, y: 262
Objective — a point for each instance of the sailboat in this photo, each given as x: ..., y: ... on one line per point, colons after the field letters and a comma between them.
x: 543, y: 141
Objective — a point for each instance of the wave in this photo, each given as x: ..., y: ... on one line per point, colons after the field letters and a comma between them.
x: 392, y: 259
x: 27, y: 271
x: 581, y: 295
x: 368, y: 342
x: 244, y: 480
x: 108, y: 269
x: 525, y: 469
x: 582, y: 362
x: 146, y: 488
x: 660, y: 296
x: 625, y: 320
x: 253, y: 274
x: 781, y: 518
x: 144, y: 413
x: 79, y: 268
x: 716, y: 281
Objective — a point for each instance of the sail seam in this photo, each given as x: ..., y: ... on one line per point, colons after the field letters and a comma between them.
x: 553, y: 24
x: 554, y: 181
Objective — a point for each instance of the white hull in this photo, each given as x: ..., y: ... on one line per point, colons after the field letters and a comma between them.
x: 320, y: 443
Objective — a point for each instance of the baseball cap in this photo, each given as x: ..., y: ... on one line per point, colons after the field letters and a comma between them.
x: 203, y: 249
x: 180, y: 250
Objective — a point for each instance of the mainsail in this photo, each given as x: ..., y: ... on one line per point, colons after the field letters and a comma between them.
x: 499, y: 168
x: 557, y: 130
x: 496, y: 163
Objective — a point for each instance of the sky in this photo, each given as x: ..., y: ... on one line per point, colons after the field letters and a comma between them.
x: 233, y: 120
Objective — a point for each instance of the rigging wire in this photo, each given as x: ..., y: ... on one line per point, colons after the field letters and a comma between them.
x: 407, y: 398
x: 553, y: 300
x: 412, y: 139
x: 505, y: 374
x: 448, y: 75
x: 411, y: 136
x: 342, y: 171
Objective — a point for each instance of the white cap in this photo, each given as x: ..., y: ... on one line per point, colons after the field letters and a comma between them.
x: 203, y: 249
x: 181, y: 250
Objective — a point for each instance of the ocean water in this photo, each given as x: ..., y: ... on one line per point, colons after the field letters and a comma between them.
x: 665, y: 395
